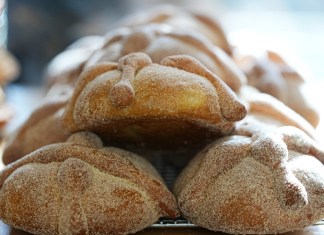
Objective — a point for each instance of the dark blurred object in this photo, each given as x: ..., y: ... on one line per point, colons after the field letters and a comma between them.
x: 40, y: 29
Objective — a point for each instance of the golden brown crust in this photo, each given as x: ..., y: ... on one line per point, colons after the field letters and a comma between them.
x: 271, y: 74
x: 141, y: 102
x: 160, y: 40
x: 83, y: 188
x: 230, y: 110
x: 181, y: 18
x: 256, y: 183
x: 43, y: 127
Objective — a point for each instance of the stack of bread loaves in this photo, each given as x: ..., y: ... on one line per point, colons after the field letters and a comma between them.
x: 153, y: 88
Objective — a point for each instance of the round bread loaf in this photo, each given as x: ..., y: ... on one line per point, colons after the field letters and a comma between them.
x: 79, y: 187
x: 43, y: 127
x: 260, y: 182
x: 138, y: 102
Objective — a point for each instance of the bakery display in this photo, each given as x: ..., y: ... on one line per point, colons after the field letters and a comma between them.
x: 162, y: 40
x: 271, y: 74
x: 201, y: 22
x: 259, y: 182
x: 43, y: 127
x: 159, y: 102
x: 142, y: 103
x: 79, y: 187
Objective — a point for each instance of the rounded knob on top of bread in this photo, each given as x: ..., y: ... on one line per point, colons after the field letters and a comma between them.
x: 161, y: 40
x: 81, y: 187
x: 137, y: 101
x: 257, y: 181
x: 199, y: 22
x: 165, y: 85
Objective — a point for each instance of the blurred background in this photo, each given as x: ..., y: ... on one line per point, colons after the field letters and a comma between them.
x: 40, y: 29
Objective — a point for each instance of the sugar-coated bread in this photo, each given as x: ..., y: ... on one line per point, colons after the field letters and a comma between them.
x: 178, y: 102
x: 201, y: 22
x: 270, y: 111
x: 160, y: 40
x: 259, y: 182
x: 79, y: 187
x: 43, y: 127
x: 271, y: 74
x: 66, y: 67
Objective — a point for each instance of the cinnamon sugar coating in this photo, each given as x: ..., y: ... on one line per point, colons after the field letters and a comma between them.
x: 260, y: 182
x: 66, y: 67
x: 271, y: 74
x: 43, y: 127
x: 294, y: 138
x: 161, y: 40
x: 200, y: 22
x: 138, y: 102
x: 79, y: 187
x: 271, y: 112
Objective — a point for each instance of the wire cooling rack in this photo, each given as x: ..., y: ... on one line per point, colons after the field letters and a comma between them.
x: 178, y: 223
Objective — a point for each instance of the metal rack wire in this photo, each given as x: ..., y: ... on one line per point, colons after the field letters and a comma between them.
x: 177, y: 223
